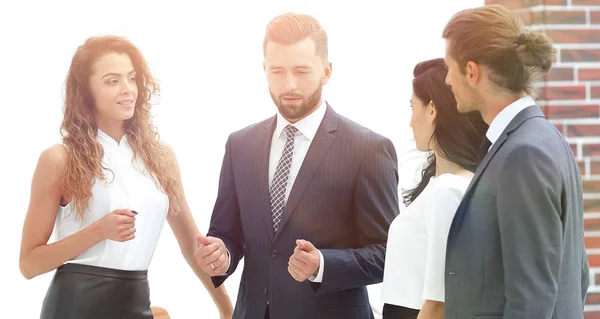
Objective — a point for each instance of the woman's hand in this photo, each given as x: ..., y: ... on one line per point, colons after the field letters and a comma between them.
x: 118, y: 225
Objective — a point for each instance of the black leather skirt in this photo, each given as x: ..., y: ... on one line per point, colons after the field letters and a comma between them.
x: 87, y: 292
x: 399, y: 312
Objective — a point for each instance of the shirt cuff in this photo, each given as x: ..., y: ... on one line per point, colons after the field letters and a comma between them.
x: 228, y: 263
x: 319, y: 277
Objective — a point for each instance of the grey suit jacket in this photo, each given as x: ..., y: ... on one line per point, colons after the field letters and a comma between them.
x: 343, y: 201
x: 515, y: 247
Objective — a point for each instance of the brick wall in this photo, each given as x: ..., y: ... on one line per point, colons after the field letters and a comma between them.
x: 570, y: 98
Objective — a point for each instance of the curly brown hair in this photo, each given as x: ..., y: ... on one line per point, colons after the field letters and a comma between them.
x: 79, y: 129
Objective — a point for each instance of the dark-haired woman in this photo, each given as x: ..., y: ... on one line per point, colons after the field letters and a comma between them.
x: 413, y: 282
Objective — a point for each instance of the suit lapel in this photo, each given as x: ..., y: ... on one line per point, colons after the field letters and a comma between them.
x: 316, y: 152
x: 460, y: 211
x: 529, y: 112
x: 262, y: 174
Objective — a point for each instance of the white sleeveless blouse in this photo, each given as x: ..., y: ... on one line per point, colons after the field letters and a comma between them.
x: 131, y: 188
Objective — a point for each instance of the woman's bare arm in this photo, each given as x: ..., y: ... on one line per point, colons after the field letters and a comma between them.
x: 185, y: 231
x: 37, y: 257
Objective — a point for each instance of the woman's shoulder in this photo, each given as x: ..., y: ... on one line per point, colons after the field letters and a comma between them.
x: 449, y: 185
x: 444, y: 195
x: 55, y: 156
x: 52, y: 166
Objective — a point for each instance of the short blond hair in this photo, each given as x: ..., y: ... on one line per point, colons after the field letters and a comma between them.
x: 291, y: 28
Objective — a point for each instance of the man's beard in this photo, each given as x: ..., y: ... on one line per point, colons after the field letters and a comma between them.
x: 294, y: 113
x: 468, y: 100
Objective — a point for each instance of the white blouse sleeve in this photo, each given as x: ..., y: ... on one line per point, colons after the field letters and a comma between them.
x: 439, y: 212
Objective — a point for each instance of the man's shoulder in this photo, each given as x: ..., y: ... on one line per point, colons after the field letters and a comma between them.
x: 537, y: 135
x: 353, y: 130
x: 252, y: 129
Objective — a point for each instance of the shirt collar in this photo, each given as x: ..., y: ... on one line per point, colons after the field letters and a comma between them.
x: 501, y: 121
x: 308, y: 126
x: 106, y: 139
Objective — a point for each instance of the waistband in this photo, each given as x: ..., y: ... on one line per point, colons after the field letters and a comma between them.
x: 102, y: 271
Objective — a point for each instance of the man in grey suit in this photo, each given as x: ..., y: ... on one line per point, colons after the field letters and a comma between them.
x: 306, y: 196
x: 515, y: 247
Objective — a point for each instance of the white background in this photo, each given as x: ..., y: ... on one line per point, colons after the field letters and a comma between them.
x: 208, y: 58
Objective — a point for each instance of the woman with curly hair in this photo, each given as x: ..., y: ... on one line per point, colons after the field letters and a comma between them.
x: 106, y: 191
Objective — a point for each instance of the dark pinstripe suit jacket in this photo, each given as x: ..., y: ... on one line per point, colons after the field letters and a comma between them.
x: 515, y: 248
x: 343, y: 200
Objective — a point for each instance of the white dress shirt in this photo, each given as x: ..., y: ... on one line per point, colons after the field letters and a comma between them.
x: 416, y: 247
x: 307, y: 129
x: 132, y: 188
x: 501, y: 121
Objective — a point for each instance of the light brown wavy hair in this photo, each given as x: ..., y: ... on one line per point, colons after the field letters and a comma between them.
x: 79, y: 129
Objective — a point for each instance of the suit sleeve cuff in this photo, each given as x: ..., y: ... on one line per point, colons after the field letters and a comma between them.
x: 319, y: 277
x: 228, y: 263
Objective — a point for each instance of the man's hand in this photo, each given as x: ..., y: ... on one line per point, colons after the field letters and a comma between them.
x: 305, y: 261
x: 211, y: 255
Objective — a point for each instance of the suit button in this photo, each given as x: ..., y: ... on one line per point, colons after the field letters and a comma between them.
x: 451, y: 273
x: 265, y: 290
x: 273, y: 253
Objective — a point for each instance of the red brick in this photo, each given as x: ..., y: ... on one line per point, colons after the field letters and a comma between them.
x: 595, y: 17
x: 592, y: 298
x: 552, y: 17
x: 574, y: 149
x: 591, y: 243
x: 591, y: 149
x: 556, y: 112
x: 591, y: 205
x: 580, y: 55
x: 560, y: 128
x: 586, y: 2
x: 595, y: 167
x: 591, y: 315
x: 550, y: 93
x: 595, y: 93
x: 560, y: 74
x: 562, y: 17
x: 594, y: 260
x: 583, y: 130
x: 517, y: 4
x: 597, y: 278
x: 589, y: 74
x: 574, y: 36
x: 592, y: 224
x: 591, y: 186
